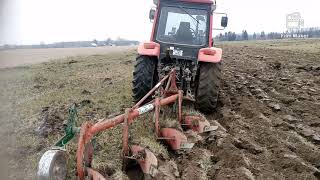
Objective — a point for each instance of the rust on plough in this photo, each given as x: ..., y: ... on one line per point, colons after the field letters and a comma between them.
x: 165, y: 94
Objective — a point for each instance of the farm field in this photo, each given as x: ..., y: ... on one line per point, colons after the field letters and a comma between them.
x: 21, y: 57
x: 268, y: 107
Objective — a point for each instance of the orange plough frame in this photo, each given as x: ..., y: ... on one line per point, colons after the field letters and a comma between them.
x: 89, y: 130
x: 168, y: 94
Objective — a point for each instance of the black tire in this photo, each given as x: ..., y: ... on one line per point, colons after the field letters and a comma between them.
x: 145, y: 76
x: 209, y: 79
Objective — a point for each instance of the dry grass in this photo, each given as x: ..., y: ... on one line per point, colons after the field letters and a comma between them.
x: 26, y: 90
x: 102, y: 80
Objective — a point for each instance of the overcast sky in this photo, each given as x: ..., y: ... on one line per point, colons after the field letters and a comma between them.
x: 33, y: 21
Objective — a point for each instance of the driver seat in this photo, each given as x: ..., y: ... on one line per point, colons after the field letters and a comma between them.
x: 184, y: 33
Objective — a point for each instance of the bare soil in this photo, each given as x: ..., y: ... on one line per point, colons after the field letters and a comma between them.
x: 268, y: 114
x: 270, y: 102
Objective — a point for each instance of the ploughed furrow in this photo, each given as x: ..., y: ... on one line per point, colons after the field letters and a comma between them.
x: 266, y: 124
x: 269, y: 108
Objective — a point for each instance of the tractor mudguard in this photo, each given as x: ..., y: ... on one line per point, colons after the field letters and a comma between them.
x: 212, y: 55
x: 149, y: 49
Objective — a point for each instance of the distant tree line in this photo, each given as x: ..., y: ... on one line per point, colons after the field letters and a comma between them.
x: 244, y: 36
x: 75, y: 44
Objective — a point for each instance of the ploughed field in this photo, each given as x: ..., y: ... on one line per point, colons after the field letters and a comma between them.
x: 268, y: 112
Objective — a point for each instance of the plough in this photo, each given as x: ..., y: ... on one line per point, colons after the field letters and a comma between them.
x: 181, y: 54
x: 53, y: 163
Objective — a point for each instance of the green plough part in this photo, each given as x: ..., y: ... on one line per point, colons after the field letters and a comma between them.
x: 70, y: 128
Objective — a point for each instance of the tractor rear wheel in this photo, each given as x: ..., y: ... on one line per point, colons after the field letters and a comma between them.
x: 209, y: 79
x: 144, y: 77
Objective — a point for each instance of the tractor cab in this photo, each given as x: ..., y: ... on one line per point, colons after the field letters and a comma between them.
x: 181, y: 39
x: 182, y: 27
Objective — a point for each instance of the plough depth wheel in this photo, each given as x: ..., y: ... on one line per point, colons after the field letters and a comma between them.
x: 53, y: 165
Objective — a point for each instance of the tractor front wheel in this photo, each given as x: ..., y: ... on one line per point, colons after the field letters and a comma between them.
x: 144, y: 76
x: 209, y: 79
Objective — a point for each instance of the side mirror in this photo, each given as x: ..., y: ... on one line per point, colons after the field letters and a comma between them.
x: 224, y: 21
x: 152, y: 13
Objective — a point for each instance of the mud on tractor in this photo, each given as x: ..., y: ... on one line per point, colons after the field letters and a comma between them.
x: 179, y: 64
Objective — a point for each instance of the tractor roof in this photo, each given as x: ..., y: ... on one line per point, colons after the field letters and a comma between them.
x: 199, y: 1
x: 194, y: 1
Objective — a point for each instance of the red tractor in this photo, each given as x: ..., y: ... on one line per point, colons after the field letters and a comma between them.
x: 181, y: 38
x: 178, y: 63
